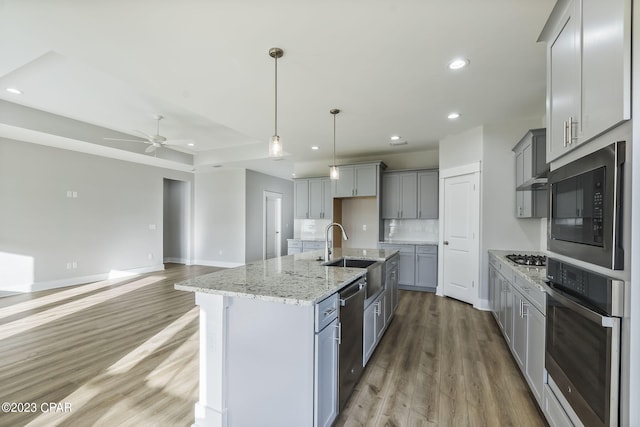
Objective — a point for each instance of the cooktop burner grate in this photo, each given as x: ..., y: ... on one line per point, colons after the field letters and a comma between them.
x: 528, y: 260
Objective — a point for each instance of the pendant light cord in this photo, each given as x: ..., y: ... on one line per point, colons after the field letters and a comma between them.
x: 334, y: 140
x: 276, y: 97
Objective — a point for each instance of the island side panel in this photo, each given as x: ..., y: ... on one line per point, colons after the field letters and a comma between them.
x: 270, y: 363
x: 211, y: 408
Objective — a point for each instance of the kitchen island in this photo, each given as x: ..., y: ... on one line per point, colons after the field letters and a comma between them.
x: 267, y: 341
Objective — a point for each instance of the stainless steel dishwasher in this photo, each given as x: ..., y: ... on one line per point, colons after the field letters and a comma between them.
x: 350, y: 341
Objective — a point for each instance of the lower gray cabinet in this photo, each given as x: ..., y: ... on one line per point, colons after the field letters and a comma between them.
x: 374, y: 324
x: 519, y: 341
x: 535, y: 372
x: 326, y: 375
x: 427, y: 266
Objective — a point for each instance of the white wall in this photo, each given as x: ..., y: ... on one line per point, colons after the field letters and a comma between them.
x: 356, y: 213
x: 461, y: 149
x: 107, y: 227
x: 219, y: 216
x: 256, y: 184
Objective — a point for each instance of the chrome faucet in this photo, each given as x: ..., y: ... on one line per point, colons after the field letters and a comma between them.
x: 327, y: 251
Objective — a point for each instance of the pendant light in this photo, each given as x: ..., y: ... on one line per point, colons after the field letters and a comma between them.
x: 275, y: 146
x: 334, y: 172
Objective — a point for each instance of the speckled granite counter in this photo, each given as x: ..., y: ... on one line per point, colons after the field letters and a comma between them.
x: 299, y: 279
x: 409, y: 242
x: 534, y: 275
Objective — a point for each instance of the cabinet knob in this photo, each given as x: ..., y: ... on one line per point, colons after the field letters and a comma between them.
x: 446, y: 242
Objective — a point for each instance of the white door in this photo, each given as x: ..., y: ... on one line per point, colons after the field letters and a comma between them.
x: 461, y: 222
x: 272, y: 224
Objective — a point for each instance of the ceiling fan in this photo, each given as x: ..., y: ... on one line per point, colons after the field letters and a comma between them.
x: 155, y: 141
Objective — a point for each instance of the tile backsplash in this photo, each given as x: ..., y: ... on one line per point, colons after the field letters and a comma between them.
x: 418, y: 230
x: 310, y: 229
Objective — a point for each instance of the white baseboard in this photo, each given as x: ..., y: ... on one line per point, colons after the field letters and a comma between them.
x: 213, y: 263
x: 184, y: 261
x: 483, y: 304
x: 80, y: 280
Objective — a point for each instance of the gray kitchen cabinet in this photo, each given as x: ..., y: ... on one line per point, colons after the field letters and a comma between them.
x: 400, y: 195
x: 357, y: 180
x: 326, y: 362
x: 326, y: 374
x: 294, y: 246
x: 392, y: 284
x: 428, y: 194
x: 535, y: 371
x: 506, y: 309
x: 301, y: 198
x: 531, y: 171
x: 427, y: 266
x: 588, y: 73
x: 519, y: 341
x: 313, y: 198
x: 373, y: 326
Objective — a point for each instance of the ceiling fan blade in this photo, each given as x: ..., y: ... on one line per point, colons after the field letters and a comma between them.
x: 120, y: 139
x: 150, y: 149
x: 144, y: 135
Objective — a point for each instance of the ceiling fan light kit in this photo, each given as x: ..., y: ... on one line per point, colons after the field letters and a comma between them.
x: 334, y: 172
x: 275, y: 145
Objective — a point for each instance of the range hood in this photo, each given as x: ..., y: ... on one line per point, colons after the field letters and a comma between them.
x: 536, y: 183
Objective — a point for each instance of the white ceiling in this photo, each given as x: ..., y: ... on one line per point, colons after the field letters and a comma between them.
x: 204, y: 65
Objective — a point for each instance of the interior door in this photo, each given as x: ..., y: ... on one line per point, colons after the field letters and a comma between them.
x: 460, y: 237
x: 272, y: 222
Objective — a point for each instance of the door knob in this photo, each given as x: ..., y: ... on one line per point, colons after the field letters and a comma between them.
x: 446, y: 242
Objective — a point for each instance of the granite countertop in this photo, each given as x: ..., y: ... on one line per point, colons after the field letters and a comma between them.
x: 535, y: 275
x: 410, y: 242
x: 298, y: 279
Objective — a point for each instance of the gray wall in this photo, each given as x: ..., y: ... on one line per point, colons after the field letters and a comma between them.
x: 176, y: 221
x: 219, y: 215
x: 257, y: 184
x: 107, y: 227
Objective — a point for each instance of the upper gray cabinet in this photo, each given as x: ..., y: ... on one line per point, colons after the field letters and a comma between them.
x: 410, y: 195
x: 588, y: 71
x: 428, y: 194
x: 357, y: 180
x: 531, y: 171
x: 399, y: 195
x: 313, y: 198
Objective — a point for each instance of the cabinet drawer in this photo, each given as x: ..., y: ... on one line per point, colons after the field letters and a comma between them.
x: 326, y: 311
x: 427, y: 249
x: 404, y: 249
x: 532, y: 293
x: 295, y: 243
x: 312, y: 246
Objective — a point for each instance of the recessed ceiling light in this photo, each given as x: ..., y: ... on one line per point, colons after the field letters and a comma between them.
x: 453, y: 116
x: 315, y: 147
x: 395, y: 137
x: 456, y: 64
x: 14, y: 91
x: 191, y: 144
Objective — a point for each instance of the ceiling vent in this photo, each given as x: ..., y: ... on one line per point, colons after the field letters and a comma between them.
x: 398, y: 142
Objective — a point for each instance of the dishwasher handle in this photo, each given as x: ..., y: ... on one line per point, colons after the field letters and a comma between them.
x: 351, y: 292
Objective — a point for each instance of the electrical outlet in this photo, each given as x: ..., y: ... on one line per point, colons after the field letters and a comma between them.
x: 69, y: 266
x: 152, y: 226
x: 150, y: 255
x: 220, y: 252
x: 74, y: 194
x: 74, y: 264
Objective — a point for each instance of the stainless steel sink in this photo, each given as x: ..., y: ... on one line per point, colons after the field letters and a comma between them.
x: 348, y: 262
x: 375, y: 273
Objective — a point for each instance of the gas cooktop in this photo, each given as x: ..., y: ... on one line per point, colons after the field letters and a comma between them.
x: 528, y: 260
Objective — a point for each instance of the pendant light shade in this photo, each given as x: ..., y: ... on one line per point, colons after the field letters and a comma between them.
x: 275, y: 145
x: 334, y: 172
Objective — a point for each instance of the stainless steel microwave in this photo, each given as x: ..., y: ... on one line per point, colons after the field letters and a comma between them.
x: 585, y: 208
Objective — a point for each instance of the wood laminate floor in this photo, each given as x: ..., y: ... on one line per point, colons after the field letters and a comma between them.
x: 125, y: 353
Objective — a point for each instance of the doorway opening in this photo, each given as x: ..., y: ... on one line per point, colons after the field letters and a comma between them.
x: 272, y: 225
x: 176, y: 242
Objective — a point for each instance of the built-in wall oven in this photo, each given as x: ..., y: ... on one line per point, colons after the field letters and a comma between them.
x: 582, y: 354
x: 585, y: 208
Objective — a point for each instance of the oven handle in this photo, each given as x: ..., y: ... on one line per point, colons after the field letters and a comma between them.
x: 606, y: 322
